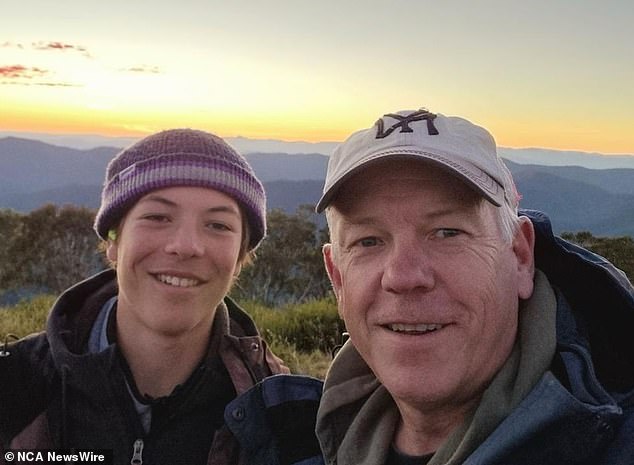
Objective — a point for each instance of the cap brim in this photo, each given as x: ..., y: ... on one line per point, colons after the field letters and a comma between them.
x: 480, y: 182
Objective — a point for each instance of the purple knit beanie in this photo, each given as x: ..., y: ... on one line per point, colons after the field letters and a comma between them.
x: 180, y: 157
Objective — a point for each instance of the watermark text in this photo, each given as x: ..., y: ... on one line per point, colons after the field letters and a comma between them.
x: 74, y: 456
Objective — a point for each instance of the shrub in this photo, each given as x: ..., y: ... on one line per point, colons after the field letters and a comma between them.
x: 314, y: 325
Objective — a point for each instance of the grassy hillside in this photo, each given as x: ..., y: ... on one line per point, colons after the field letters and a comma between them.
x: 302, y: 335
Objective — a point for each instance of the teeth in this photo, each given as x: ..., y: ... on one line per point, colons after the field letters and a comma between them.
x: 419, y: 328
x: 176, y: 281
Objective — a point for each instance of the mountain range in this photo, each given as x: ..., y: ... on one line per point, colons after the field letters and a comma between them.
x: 577, y: 198
x: 528, y: 155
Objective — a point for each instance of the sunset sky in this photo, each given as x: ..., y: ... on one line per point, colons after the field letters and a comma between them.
x: 555, y: 74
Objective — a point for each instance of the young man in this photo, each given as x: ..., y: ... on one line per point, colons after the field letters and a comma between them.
x: 151, y: 360
x: 476, y: 336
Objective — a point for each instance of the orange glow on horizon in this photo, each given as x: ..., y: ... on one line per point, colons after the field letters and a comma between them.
x: 108, y: 122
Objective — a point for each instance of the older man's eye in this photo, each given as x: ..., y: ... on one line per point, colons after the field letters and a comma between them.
x: 446, y: 233
x: 368, y: 242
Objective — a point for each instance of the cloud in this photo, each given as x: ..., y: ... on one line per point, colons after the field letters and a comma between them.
x: 42, y: 84
x: 143, y: 69
x: 54, y: 46
x: 56, y: 84
x: 37, y: 76
x: 23, y: 75
x: 11, y: 45
x: 19, y: 75
x: 21, y: 72
x: 58, y: 46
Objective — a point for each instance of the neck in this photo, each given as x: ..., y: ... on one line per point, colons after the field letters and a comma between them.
x: 160, y: 362
x: 422, y: 433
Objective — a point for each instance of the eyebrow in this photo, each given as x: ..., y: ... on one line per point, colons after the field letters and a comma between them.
x: 170, y: 203
x: 362, y: 221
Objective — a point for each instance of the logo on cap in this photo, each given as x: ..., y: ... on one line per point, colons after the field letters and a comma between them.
x: 403, y: 123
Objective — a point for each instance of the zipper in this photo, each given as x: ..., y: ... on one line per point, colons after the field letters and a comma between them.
x: 137, y: 455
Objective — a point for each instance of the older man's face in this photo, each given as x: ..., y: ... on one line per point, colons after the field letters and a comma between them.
x: 426, y: 285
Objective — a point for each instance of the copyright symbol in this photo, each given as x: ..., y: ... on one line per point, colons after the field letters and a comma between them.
x: 9, y: 456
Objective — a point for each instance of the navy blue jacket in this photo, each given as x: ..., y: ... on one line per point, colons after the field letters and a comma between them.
x: 582, y: 411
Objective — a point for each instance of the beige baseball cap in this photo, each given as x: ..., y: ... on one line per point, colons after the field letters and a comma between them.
x: 463, y: 148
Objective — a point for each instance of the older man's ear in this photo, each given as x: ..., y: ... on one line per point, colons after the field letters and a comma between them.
x: 332, y: 270
x: 524, y: 248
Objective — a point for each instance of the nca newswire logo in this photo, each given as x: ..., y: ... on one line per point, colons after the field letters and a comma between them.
x: 78, y: 457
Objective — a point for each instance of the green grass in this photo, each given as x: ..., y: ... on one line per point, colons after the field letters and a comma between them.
x: 29, y: 316
x: 302, y: 335
x: 313, y: 363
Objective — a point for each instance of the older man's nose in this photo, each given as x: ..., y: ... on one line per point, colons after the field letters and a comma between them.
x: 408, y: 268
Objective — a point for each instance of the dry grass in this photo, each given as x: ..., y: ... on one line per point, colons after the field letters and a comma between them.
x: 313, y: 363
x: 26, y: 317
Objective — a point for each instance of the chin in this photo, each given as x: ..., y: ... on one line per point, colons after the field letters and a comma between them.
x: 416, y: 384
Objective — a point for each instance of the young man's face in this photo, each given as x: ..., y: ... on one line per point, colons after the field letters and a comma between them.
x: 426, y: 285
x: 176, y: 256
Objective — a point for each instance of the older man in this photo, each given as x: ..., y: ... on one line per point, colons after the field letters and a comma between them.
x: 476, y: 336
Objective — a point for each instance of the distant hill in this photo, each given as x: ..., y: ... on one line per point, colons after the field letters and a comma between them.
x: 29, y: 166
x: 242, y: 144
x: 574, y: 205
x: 33, y: 173
x: 282, y: 166
x: 546, y: 157
x: 616, y: 180
x: 525, y: 156
x: 71, y: 194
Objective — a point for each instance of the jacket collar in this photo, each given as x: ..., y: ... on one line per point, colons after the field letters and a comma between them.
x: 234, y: 335
x: 602, y: 300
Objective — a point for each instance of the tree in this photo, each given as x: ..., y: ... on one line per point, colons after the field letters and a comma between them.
x: 9, y: 223
x: 289, y: 266
x: 52, y: 248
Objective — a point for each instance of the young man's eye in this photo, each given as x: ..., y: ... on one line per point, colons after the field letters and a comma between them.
x: 219, y: 226
x: 156, y: 218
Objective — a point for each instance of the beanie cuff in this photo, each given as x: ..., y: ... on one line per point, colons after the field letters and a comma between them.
x: 182, y: 169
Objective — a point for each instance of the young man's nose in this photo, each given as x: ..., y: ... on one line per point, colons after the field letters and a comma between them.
x: 185, y: 241
x: 406, y: 269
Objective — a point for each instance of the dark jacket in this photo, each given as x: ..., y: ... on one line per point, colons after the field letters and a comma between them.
x: 581, y: 411
x: 54, y: 394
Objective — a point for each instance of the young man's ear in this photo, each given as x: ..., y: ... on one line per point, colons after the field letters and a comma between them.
x: 524, y: 249
x: 112, y: 247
